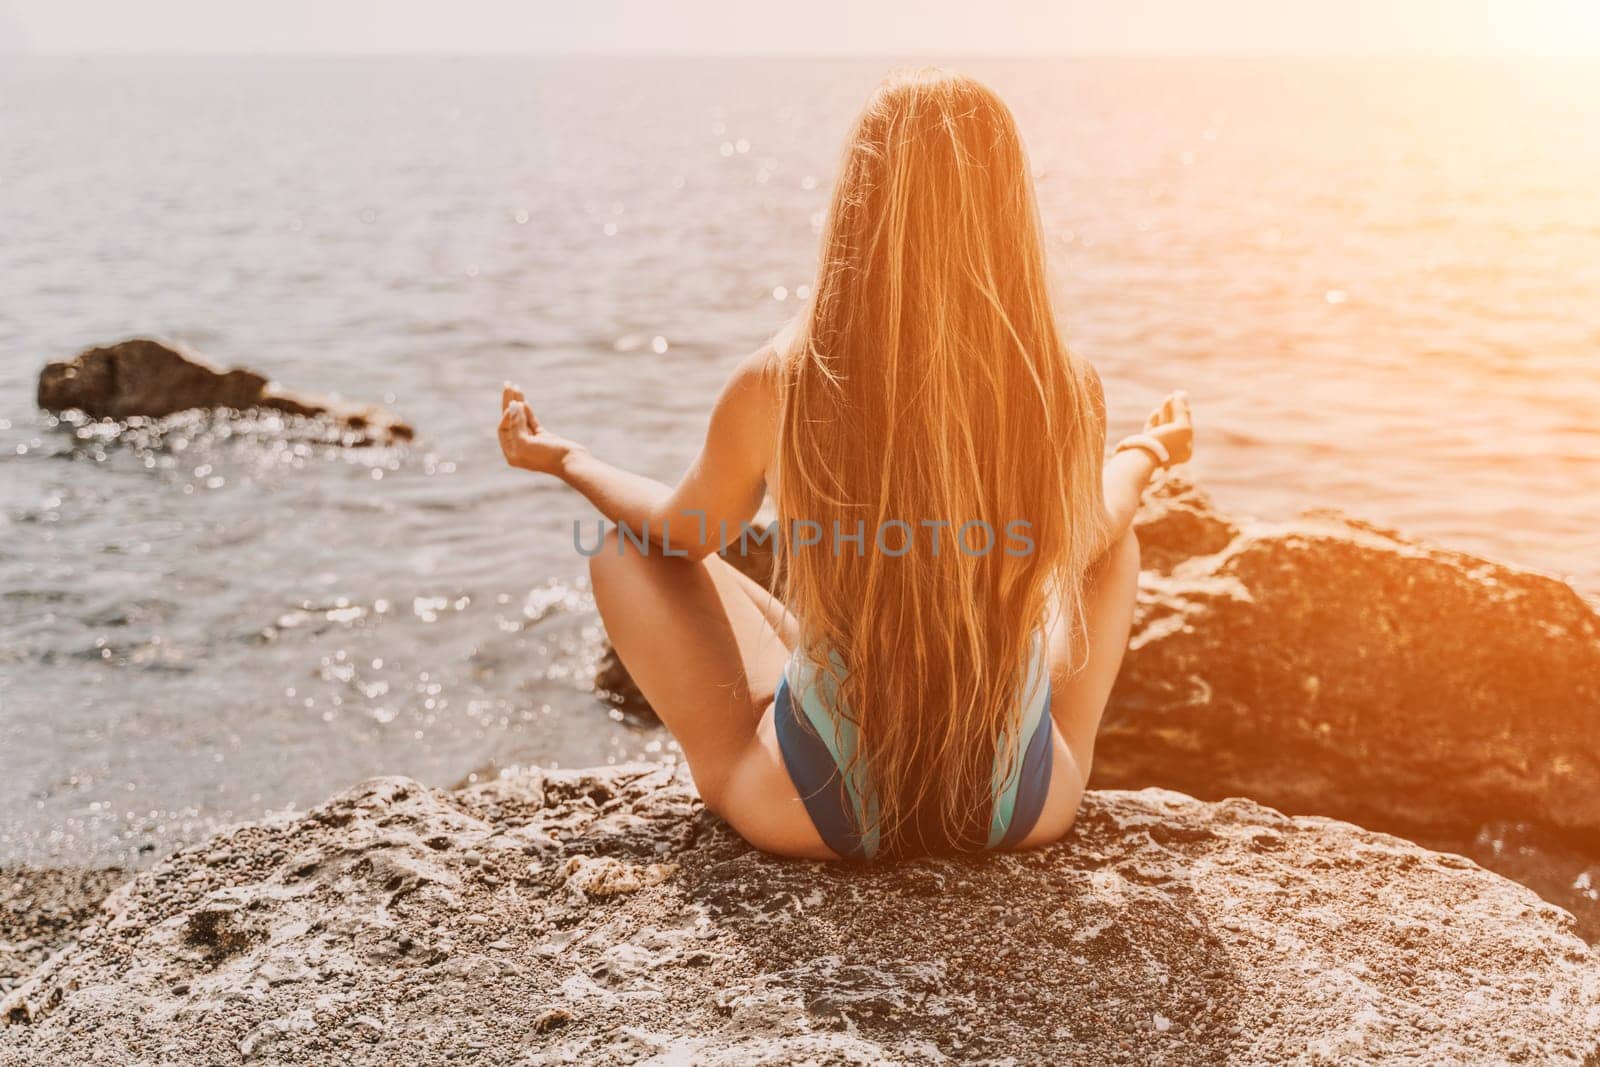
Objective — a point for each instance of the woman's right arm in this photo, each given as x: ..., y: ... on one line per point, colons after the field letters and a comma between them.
x: 721, y: 490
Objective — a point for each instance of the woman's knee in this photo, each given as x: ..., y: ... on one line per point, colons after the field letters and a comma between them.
x: 618, y: 559
x: 607, y: 559
x: 623, y: 567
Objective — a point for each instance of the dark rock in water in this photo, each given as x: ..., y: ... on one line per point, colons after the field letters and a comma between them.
x: 613, y: 682
x: 143, y: 377
x: 1324, y: 666
x: 607, y: 919
x: 1176, y: 522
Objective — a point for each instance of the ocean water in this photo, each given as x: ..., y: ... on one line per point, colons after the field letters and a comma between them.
x: 1379, y: 281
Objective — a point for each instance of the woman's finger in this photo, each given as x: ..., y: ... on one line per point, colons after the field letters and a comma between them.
x: 511, y: 394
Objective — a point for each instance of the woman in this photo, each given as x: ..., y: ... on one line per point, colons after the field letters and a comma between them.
x: 908, y: 693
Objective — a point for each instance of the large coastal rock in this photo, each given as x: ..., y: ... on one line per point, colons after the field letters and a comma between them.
x: 144, y: 377
x: 1325, y: 666
x: 603, y: 917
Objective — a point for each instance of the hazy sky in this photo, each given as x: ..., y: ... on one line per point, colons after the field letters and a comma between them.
x: 1227, y: 27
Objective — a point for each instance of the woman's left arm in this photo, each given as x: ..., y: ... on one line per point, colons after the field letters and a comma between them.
x: 722, y: 489
x: 1166, y: 440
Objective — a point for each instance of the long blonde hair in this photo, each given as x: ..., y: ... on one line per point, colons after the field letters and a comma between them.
x: 926, y: 382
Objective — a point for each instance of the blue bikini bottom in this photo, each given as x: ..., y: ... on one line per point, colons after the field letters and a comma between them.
x: 833, y: 804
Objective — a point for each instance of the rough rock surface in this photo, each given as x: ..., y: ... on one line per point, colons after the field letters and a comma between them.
x: 602, y: 917
x: 40, y: 911
x: 144, y: 377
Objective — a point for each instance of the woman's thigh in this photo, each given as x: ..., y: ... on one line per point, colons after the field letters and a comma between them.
x: 696, y: 644
x: 700, y: 641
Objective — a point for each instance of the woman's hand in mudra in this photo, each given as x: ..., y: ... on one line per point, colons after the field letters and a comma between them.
x: 523, y: 441
x: 1173, y: 425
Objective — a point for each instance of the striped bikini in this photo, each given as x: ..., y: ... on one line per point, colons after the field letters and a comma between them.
x: 816, y: 750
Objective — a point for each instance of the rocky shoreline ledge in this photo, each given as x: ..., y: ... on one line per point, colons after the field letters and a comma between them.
x: 603, y: 917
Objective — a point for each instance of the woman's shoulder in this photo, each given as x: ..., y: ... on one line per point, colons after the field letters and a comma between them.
x: 755, y: 380
x: 762, y: 365
x: 748, y: 406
